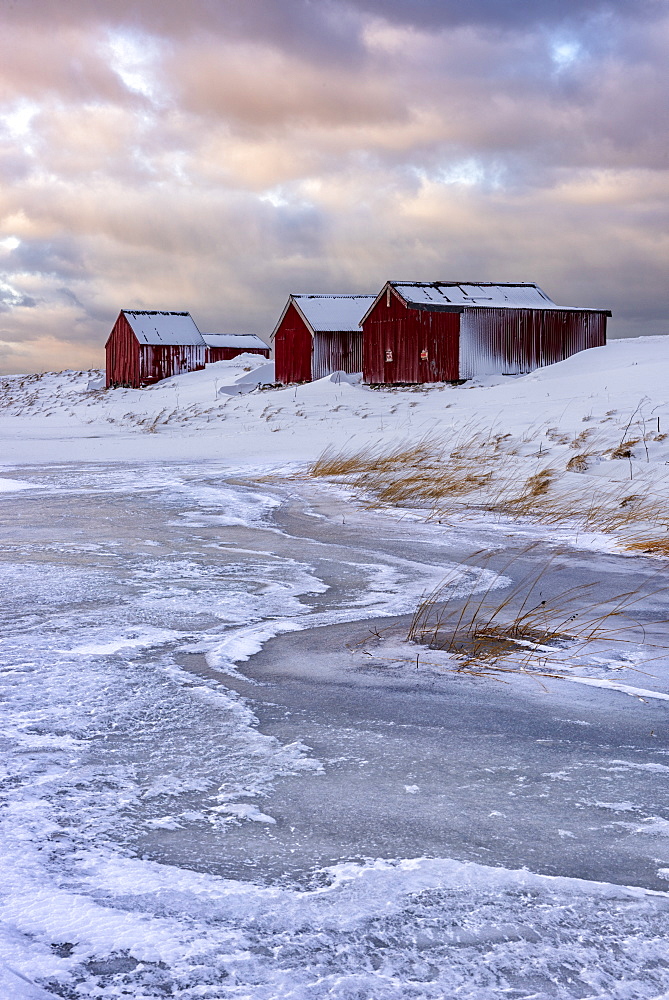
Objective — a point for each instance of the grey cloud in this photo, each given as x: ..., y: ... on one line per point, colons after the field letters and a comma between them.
x: 10, y: 300
x: 305, y: 21
x: 265, y: 90
x: 39, y: 60
x: 302, y: 146
x: 61, y: 256
x: 71, y: 298
x: 15, y: 165
x: 322, y: 27
x: 12, y: 356
x: 300, y: 228
x: 502, y: 14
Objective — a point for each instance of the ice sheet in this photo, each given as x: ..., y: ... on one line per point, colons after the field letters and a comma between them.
x: 108, y: 742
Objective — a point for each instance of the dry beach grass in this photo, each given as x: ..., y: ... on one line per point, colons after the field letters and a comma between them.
x: 533, y: 626
x: 524, y: 629
x: 481, y: 471
x: 592, y: 482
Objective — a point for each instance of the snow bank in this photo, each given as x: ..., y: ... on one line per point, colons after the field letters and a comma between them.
x: 56, y: 416
x: 600, y: 418
x: 12, y: 485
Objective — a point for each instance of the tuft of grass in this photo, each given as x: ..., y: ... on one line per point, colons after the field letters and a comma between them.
x: 478, y: 471
x: 418, y: 473
x: 579, y: 463
x: 557, y: 436
x: 581, y: 438
x: 624, y: 449
x: 536, y: 485
x: 524, y: 629
x: 374, y: 460
x: 650, y: 546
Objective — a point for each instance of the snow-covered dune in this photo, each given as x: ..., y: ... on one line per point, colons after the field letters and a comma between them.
x: 57, y: 416
x: 598, y: 421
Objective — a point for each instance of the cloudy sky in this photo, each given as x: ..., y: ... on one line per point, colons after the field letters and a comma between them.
x: 216, y: 155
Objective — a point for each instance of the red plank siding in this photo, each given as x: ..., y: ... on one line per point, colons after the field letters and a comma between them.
x: 159, y: 362
x: 292, y: 349
x: 122, y: 352
x: 228, y: 353
x: 409, y: 345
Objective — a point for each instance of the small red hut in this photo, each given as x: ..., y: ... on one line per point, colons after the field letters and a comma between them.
x: 444, y: 331
x: 146, y: 346
x: 317, y: 335
x: 225, y: 346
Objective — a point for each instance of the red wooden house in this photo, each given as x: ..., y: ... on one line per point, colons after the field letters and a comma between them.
x: 317, y: 335
x: 444, y: 331
x: 225, y: 346
x: 146, y: 346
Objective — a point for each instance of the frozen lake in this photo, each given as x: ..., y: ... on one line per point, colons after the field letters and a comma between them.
x: 209, y: 790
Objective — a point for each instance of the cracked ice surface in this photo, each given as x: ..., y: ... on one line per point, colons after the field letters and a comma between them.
x: 119, y: 762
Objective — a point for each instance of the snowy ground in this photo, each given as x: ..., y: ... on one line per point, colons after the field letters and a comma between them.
x: 605, y: 396
x: 595, y: 426
x: 226, y: 774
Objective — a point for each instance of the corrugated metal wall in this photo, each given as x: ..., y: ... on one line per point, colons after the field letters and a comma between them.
x: 513, y: 341
x: 122, y: 351
x: 292, y: 349
x: 567, y: 332
x: 409, y: 345
x: 159, y: 362
x: 336, y: 352
x: 228, y: 353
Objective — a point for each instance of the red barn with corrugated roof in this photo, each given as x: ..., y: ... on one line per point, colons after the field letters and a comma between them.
x: 146, y: 346
x: 317, y: 335
x: 445, y: 331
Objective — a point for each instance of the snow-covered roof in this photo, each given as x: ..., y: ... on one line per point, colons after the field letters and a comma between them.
x: 236, y: 340
x: 333, y: 313
x: 167, y: 328
x: 329, y: 313
x: 516, y: 295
